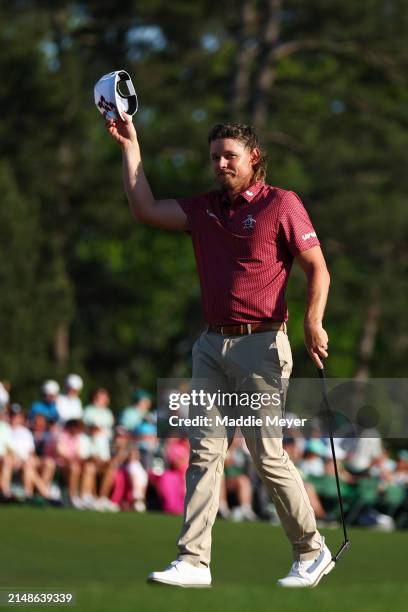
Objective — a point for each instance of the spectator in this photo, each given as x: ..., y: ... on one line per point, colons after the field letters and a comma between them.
x: 146, y: 440
x: 132, y: 416
x: 99, y: 445
x: 362, y: 453
x: 39, y: 429
x: 383, y: 468
x: 98, y: 414
x: 116, y: 482
x: 312, y: 463
x: 125, y: 475
x: 72, y: 452
x: 4, y: 394
x: 401, y: 469
x: 69, y: 403
x: 139, y: 480
x: 47, y: 406
x: 293, y: 449
x: 95, y: 469
x: 6, y: 457
x: 42, y: 439
x: 142, y: 423
x: 24, y: 458
x: 170, y: 485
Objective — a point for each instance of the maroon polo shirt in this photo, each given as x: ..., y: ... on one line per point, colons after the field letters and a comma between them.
x: 244, y: 252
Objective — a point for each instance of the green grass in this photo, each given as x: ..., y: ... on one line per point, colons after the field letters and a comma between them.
x: 105, y: 559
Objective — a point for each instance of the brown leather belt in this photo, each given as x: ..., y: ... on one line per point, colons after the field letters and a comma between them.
x: 248, y: 328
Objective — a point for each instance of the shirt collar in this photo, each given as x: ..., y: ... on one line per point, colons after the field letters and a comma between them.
x: 248, y: 194
x: 252, y: 191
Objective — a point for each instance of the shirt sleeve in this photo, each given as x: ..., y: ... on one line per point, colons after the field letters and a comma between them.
x: 295, y: 226
x: 191, y: 206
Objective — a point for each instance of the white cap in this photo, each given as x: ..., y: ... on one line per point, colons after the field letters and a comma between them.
x: 50, y: 387
x: 114, y: 94
x: 74, y: 381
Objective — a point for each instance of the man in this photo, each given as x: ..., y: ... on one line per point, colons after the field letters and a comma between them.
x: 245, y: 238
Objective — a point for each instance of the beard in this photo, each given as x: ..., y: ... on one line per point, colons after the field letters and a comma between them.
x: 226, y: 178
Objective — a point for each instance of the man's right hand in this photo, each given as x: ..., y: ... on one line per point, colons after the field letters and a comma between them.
x: 122, y: 130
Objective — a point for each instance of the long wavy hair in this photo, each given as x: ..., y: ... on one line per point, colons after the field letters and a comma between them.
x: 245, y: 134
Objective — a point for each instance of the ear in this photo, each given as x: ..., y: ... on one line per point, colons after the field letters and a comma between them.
x: 255, y: 156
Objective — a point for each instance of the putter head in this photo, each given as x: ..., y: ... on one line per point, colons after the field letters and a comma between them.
x: 345, y: 546
x: 115, y: 94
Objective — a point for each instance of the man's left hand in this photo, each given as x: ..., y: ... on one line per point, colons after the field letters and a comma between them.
x: 317, y: 342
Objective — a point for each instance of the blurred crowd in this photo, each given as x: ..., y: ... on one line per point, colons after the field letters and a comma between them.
x: 60, y: 452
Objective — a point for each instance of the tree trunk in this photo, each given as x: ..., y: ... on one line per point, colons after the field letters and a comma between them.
x: 265, y: 74
x: 61, y: 345
x: 247, y: 49
x: 368, y: 339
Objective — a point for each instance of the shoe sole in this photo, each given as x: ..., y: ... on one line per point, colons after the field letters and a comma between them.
x: 154, y: 581
x: 324, y: 572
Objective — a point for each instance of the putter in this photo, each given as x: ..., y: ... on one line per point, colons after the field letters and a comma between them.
x: 346, y: 544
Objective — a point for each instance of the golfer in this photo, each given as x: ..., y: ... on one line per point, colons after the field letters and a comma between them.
x: 245, y: 238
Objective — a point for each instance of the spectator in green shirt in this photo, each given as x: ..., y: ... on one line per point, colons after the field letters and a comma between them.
x: 132, y: 416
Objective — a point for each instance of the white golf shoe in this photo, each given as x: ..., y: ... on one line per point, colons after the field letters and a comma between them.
x: 309, y: 573
x: 182, y: 574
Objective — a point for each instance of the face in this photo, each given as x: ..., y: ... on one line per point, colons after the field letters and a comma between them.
x: 233, y: 163
x: 101, y: 398
x: 17, y: 419
x: 144, y: 404
x: 39, y: 422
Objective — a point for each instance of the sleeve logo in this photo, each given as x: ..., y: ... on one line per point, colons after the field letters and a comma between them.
x: 309, y: 235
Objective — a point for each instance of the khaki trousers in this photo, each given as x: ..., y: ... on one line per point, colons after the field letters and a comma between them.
x: 251, y: 363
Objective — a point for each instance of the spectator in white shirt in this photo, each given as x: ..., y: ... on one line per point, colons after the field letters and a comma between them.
x: 69, y: 404
x: 24, y: 457
x: 6, y: 456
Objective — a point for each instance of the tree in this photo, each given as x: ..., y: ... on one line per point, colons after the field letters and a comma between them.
x: 325, y: 84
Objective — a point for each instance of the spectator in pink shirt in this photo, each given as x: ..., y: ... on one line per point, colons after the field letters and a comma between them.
x: 170, y: 485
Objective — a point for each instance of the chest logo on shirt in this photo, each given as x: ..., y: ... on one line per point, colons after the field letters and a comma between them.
x: 249, y: 222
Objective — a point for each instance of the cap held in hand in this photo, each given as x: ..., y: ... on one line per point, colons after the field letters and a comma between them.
x: 115, y: 94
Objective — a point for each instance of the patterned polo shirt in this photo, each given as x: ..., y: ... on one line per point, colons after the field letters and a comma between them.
x: 244, y: 252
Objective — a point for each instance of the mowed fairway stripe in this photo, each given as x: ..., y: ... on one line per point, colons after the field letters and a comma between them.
x: 106, y: 558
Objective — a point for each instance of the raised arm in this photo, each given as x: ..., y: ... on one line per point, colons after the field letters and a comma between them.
x: 318, y: 280
x: 164, y: 214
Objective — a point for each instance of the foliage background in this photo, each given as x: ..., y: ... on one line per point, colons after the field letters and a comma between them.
x: 83, y: 288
